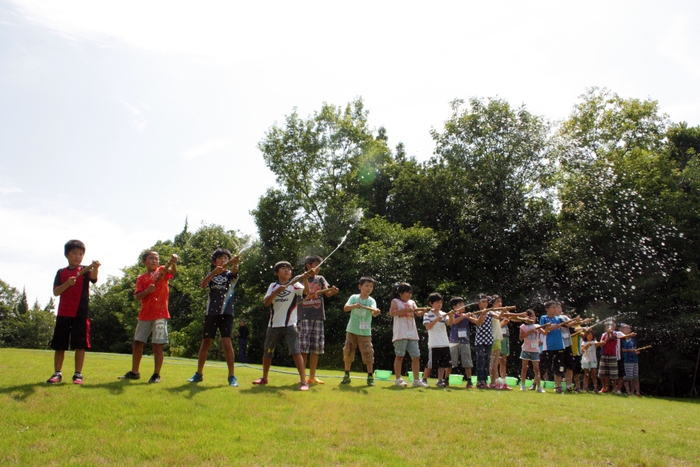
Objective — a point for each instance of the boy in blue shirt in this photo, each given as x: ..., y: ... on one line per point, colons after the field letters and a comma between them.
x: 552, y: 356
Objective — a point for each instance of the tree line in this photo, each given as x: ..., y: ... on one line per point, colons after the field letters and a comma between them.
x: 600, y: 211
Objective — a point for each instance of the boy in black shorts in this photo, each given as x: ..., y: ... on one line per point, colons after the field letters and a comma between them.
x: 72, y: 284
x: 219, y: 314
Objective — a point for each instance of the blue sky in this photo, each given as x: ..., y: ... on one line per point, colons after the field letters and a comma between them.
x: 121, y: 119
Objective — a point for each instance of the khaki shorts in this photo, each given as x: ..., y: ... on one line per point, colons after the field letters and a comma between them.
x: 364, y: 343
x: 156, y: 328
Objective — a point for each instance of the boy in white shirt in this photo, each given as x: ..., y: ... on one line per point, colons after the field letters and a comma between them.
x: 438, y: 341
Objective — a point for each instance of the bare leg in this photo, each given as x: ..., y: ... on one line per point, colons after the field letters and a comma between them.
x: 415, y: 367
x: 426, y: 372
x: 79, y: 360
x: 523, y: 371
x: 313, y: 363
x: 594, y: 377
x: 398, y: 363
x: 157, y: 357
x: 228, y: 354
x: 203, y: 352
x: 136, y: 355
x: 267, y: 361
x: 299, y: 362
x: 536, y: 369
x: 58, y: 357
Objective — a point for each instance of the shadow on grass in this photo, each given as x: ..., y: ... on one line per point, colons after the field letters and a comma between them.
x: 267, y: 389
x: 189, y: 390
x: 23, y: 391
x: 364, y: 389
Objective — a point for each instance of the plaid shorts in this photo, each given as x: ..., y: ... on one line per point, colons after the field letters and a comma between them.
x: 608, y: 366
x: 311, y: 336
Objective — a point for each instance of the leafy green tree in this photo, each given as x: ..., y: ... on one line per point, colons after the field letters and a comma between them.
x: 615, y: 232
x: 485, y: 193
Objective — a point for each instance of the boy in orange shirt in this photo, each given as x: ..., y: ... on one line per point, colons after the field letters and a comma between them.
x: 152, y: 291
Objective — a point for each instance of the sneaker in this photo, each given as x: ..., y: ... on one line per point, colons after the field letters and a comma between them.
x: 419, y: 384
x: 232, y: 381
x: 425, y: 381
x: 469, y: 384
x: 523, y: 388
x: 55, y: 378
x: 603, y: 391
x: 154, y: 379
x: 346, y: 379
x: 532, y: 388
x: 441, y: 384
x: 303, y: 387
x: 314, y: 381
x: 130, y: 375
x: 197, y: 378
x: 540, y: 389
x: 505, y: 387
x: 491, y: 386
x: 481, y: 386
x: 370, y: 381
x: 260, y: 381
x: 559, y: 391
x: 400, y: 382
x: 619, y: 393
x: 77, y: 378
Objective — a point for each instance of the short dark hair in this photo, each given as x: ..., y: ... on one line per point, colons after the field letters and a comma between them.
x: 219, y: 252
x: 400, y: 288
x: 311, y: 259
x: 550, y: 304
x: 434, y: 297
x: 72, y: 245
x: 456, y: 300
x: 364, y: 279
x: 280, y: 264
x: 144, y: 255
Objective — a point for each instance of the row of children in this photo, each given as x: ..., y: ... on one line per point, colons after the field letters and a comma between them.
x: 297, y: 314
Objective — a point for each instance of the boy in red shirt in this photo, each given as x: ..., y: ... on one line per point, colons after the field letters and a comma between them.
x: 152, y: 291
x: 72, y: 284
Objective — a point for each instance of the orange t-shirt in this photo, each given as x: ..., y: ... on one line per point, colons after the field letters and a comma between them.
x: 155, y: 305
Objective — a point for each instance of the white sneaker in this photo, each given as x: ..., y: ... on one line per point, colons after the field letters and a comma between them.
x: 523, y: 388
x: 419, y: 384
x: 540, y: 389
x: 400, y: 382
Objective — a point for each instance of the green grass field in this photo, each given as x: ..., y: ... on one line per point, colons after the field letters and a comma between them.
x: 108, y: 422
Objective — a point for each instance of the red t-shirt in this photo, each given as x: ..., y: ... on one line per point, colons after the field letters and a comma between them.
x: 155, y: 305
x: 74, y: 300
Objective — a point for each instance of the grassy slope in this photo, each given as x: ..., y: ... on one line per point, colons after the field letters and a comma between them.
x: 176, y: 423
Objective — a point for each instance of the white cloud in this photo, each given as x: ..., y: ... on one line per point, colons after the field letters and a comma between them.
x: 6, y: 190
x: 140, y: 121
x: 204, y: 148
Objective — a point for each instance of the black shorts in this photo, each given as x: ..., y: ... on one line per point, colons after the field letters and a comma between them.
x: 73, y: 331
x: 552, y: 360
x: 577, y: 365
x: 441, y: 357
x: 569, y: 362
x: 224, y: 323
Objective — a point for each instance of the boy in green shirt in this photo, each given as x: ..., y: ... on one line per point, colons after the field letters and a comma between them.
x: 362, y: 308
